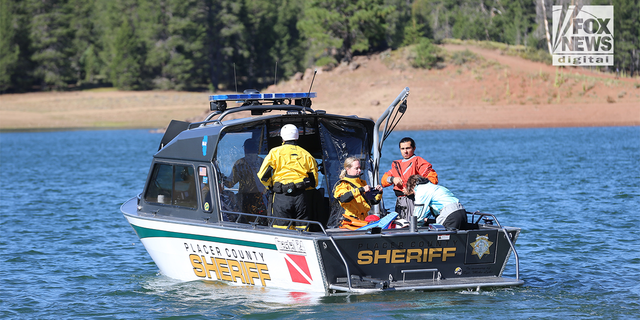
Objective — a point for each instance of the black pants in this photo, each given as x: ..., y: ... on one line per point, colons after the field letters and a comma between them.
x: 458, y: 220
x: 292, y: 205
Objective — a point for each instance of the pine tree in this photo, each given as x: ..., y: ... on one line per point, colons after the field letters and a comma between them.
x: 340, y: 28
x: 84, y: 59
x: 288, y: 50
x: 126, y: 67
x: 9, y: 49
x: 401, y: 22
x: 50, y: 37
x: 186, y: 43
x: 626, y: 18
x: 224, y: 44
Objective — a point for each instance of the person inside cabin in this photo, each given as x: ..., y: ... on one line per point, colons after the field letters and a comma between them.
x: 399, y: 174
x: 250, y: 190
x: 291, y: 172
x: 355, y: 195
x: 439, y: 202
x: 184, y: 187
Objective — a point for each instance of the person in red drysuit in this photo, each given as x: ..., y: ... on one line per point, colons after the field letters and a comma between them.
x: 400, y: 172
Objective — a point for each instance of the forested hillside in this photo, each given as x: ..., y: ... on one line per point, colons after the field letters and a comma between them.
x: 213, y: 45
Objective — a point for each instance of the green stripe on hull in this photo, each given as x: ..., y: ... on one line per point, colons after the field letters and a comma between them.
x: 153, y: 233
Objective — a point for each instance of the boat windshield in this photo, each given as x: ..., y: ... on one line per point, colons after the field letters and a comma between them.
x: 238, y: 161
x: 241, y: 150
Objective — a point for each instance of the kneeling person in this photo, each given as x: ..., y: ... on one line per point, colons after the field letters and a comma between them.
x: 438, y: 201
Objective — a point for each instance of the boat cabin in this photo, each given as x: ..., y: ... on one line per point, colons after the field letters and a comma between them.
x: 208, y: 170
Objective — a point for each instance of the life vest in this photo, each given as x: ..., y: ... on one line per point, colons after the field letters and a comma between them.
x: 405, y: 168
x: 348, y: 191
x: 351, y: 222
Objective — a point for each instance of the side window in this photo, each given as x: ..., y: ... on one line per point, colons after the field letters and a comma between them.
x: 184, y: 188
x: 160, y: 185
x: 205, y: 189
x: 174, y: 185
x: 238, y: 161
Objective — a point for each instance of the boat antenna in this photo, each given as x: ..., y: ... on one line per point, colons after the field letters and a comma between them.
x: 235, y: 79
x: 309, y: 93
x: 275, y: 74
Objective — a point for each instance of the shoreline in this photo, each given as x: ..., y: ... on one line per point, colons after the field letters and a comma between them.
x: 493, y: 91
x: 399, y: 127
x: 153, y: 110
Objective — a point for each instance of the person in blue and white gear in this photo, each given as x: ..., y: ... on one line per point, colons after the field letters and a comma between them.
x: 438, y: 201
x: 291, y: 172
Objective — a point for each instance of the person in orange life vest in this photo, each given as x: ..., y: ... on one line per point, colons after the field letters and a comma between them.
x: 354, y: 194
x: 400, y: 172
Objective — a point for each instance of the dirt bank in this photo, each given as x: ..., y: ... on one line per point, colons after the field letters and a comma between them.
x: 494, y: 91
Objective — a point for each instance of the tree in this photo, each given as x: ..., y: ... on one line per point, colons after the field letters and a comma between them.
x: 256, y: 40
x: 288, y: 50
x: 340, y: 28
x: 439, y: 15
x: 426, y: 54
x: 85, y: 63
x: 173, y: 34
x: 9, y: 49
x: 546, y: 26
x: 626, y: 33
x: 50, y: 37
x: 223, y: 30
x: 402, y: 22
x: 126, y: 67
x: 419, y: 22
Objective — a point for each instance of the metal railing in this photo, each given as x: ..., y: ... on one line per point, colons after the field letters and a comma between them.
x: 507, y: 235
x: 377, y: 140
x: 290, y: 224
x: 270, y: 221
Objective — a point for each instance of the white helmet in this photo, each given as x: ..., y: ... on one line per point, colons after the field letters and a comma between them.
x: 289, y: 132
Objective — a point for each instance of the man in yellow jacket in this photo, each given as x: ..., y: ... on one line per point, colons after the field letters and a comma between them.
x: 291, y: 173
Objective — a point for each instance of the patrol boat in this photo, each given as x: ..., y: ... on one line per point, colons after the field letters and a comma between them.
x: 202, y: 212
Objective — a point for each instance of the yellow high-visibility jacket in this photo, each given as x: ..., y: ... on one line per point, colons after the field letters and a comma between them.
x: 351, y: 197
x: 288, y: 163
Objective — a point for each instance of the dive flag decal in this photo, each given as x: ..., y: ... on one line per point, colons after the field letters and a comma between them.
x: 298, y: 268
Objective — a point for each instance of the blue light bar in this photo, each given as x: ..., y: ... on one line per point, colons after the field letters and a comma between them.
x: 262, y: 96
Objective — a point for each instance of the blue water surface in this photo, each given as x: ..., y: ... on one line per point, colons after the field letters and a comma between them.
x: 67, y: 252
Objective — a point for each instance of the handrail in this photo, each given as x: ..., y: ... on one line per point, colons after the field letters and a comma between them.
x: 506, y: 235
x: 346, y: 266
x: 433, y: 278
x: 221, y: 115
x: 376, y: 136
x: 271, y: 221
x: 283, y: 107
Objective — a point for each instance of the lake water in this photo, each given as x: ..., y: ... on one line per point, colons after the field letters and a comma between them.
x: 67, y: 252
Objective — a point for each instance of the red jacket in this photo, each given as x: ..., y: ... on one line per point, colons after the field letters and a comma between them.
x: 405, y: 168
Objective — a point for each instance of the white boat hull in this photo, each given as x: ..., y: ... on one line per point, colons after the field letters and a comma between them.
x: 191, y: 252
